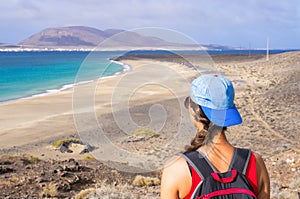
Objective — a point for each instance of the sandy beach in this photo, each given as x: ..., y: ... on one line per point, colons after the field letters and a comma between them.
x: 267, y: 95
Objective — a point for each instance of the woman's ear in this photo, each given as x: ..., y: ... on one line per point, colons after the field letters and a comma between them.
x: 187, y: 102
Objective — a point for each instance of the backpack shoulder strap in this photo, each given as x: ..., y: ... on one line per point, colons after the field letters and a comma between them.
x: 199, y: 163
x: 240, y: 160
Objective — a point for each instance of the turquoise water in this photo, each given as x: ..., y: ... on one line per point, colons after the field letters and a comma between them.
x: 27, y: 74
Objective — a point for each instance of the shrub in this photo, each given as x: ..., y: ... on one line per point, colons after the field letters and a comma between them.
x: 85, y: 193
x: 147, y: 133
x: 31, y: 158
x: 88, y: 158
x: 145, y: 181
x: 50, y: 191
x: 65, y: 141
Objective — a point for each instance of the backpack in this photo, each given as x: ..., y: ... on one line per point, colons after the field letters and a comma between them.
x: 232, y: 184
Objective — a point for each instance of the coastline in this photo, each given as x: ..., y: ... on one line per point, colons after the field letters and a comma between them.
x: 29, y: 111
x: 67, y: 86
x: 126, y: 68
x: 126, y: 48
x: 266, y: 95
x: 63, y: 97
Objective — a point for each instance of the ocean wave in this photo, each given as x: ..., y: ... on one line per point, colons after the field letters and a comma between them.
x: 50, y: 91
x: 126, y: 67
x: 62, y: 88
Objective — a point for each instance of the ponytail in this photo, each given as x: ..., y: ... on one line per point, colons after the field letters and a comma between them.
x: 204, y: 135
x: 199, y: 116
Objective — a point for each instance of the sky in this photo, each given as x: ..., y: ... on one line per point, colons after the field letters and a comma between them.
x: 236, y: 23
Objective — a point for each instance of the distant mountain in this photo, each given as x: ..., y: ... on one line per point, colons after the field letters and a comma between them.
x: 86, y: 37
x: 77, y: 36
x: 5, y: 45
x: 218, y: 47
x: 68, y: 36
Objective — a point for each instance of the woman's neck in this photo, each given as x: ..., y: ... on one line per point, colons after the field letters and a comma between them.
x: 215, y: 139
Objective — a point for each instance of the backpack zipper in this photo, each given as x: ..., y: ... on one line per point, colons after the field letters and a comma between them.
x: 226, y: 192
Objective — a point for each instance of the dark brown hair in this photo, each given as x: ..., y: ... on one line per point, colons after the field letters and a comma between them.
x: 199, y: 116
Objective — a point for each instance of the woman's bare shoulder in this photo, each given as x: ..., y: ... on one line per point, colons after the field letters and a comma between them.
x: 176, y: 163
x: 175, y: 178
x: 263, y: 177
x: 259, y: 160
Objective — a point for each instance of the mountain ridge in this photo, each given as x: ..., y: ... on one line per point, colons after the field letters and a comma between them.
x: 69, y: 36
x: 84, y: 37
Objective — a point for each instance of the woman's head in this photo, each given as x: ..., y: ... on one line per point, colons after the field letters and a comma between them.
x: 211, y: 105
x: 215, y: 95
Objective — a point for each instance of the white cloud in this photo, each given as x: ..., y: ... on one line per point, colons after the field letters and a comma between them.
x: 229, y: 22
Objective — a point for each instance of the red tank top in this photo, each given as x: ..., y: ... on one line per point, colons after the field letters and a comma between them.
x: 250, y: 174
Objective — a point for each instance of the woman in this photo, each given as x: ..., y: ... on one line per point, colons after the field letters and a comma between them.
x: 212, y: 110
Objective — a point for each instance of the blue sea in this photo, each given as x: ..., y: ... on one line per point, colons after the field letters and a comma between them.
x: 30, y: 74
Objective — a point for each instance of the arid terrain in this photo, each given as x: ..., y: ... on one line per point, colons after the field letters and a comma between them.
x: 267, y: 95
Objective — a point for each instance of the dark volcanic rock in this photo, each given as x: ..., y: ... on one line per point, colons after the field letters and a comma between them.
x: 60, y: 179
x: 64, y: 148
x: 5, y: 169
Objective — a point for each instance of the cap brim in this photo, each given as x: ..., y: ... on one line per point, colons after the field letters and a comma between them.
x: 228, y: 117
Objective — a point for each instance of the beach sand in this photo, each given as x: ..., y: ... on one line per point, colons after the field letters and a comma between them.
x: 267, y: 95
x: 46, y: 118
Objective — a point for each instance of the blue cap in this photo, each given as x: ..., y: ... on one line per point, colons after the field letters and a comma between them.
x: 215, y: 95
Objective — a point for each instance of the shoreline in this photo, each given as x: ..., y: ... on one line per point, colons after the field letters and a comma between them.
x: 266, y: 96
x: 96, y: 48
x: 28, y: 112
x: 125, y: 68
x: 67, y: 91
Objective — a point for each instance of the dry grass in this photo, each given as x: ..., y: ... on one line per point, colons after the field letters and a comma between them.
x: 83, y: 194
x: 145, y: 181
x: 143, y: 132
x: 50, y: 191
x: 58, y: 143
x: 31, y: 158
x: 119, y: 191
x: 87, y: 158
